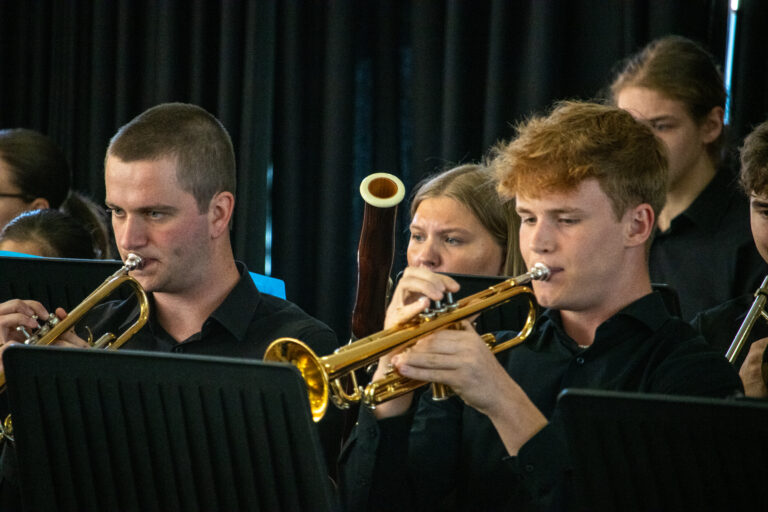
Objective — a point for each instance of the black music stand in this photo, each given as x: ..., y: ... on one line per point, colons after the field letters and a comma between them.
x: 105, y: 430
x: 55, y: 282
x: 632, y: 451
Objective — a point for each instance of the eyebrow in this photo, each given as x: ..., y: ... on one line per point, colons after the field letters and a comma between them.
x: 145, y: 208
x: 759, y: 203
x: 664, y: 117
x: 554, y: 211
x: 441, y: 231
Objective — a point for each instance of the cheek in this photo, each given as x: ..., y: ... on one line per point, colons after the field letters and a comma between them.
x: 410, y: 254
x: 484, y: 259
x: 760, y: 234
x: 496, y: 259
x: 9, y: 212
x: 672, y: 145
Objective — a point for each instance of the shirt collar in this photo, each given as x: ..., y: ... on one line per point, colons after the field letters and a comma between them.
x: 235, y: 313
x: 648, y: 310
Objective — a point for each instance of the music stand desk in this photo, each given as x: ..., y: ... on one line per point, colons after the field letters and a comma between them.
x: 111, y: 430
x: 65, y: 282
x: 632, y: 451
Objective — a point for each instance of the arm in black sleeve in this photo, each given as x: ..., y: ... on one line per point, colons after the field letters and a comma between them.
x: 371, y: 469
x: 406, y: 462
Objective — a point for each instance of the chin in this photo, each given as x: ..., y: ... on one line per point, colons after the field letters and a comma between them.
x: 145, y: 283
x: 551, y: 301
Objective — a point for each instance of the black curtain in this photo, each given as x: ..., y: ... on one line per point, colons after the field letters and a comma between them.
x: 749, y: 94
x: 80, y: 69
x: 326, y: 92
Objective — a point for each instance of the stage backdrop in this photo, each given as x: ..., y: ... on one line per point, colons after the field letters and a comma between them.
x: 325, y: 92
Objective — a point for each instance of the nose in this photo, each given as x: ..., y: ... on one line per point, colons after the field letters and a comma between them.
x: 540, y: 239
x: 425, y: 254
x: 130, y: 232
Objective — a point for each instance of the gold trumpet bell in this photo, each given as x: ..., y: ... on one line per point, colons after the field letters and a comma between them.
x: 297, y: 353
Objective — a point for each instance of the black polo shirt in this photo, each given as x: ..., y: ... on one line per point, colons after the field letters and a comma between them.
x: 242, y: 326
x: 707, y: 255
x: 447, y: 456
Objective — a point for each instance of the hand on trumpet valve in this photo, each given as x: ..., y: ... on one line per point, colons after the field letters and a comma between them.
x: 25, y: 321
x: 437, y: 307
x: 20, y: 316
x: 68, y: 338
x: 458, y: 358
x: 15, y: 314
x: 416, y: 288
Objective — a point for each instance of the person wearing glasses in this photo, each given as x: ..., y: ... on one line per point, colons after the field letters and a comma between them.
x: 34, y: 173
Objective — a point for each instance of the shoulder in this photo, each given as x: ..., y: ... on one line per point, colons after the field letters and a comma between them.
x: 685, y: 364
x: 286, y: 319
x: 719, y: 324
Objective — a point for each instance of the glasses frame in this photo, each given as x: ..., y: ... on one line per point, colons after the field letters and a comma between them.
x: 25, y: 197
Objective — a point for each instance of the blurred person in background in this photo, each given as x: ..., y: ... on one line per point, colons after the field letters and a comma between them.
x: 702, y: 246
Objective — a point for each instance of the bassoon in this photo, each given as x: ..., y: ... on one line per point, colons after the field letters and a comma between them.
x: 382, y: 193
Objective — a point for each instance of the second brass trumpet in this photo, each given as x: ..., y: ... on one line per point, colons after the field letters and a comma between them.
x: 322, y: 374
x: 53, y: 328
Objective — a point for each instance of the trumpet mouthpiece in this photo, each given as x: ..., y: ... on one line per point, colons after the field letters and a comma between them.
x: 132, y: 262
x: 540, y: 272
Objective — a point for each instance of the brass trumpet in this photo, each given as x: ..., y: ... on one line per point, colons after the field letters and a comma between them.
x: 322, y: 374
x: 756, y: 311
x: 53, y: 327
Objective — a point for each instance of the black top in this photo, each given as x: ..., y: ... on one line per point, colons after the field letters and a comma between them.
x: 242, y: 326
x: 455, y: 459
x: 707, y: 255
x: 720, y: 324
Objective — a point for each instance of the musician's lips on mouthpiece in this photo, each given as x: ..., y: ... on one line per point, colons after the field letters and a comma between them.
x: 553, y: 270
x: 142, y: 263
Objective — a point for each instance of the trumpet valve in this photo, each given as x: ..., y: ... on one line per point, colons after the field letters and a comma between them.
x: 438, y: 307
x: 42, y: 330
x: 29, y: 339
x: 105, y: 340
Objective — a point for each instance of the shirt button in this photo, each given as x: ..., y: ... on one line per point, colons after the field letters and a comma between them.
x: 580, y: 361
x: 529, y: 468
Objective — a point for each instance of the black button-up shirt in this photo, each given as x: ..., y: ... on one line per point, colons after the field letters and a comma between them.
x: 707, y: 255
x: 242, y: 326
x: 447, y: 456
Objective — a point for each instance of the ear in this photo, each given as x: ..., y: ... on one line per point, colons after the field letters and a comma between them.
x: 712, y: 126
x: 39, y: 203
x: 220, y: 212
x: 640, y: 222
